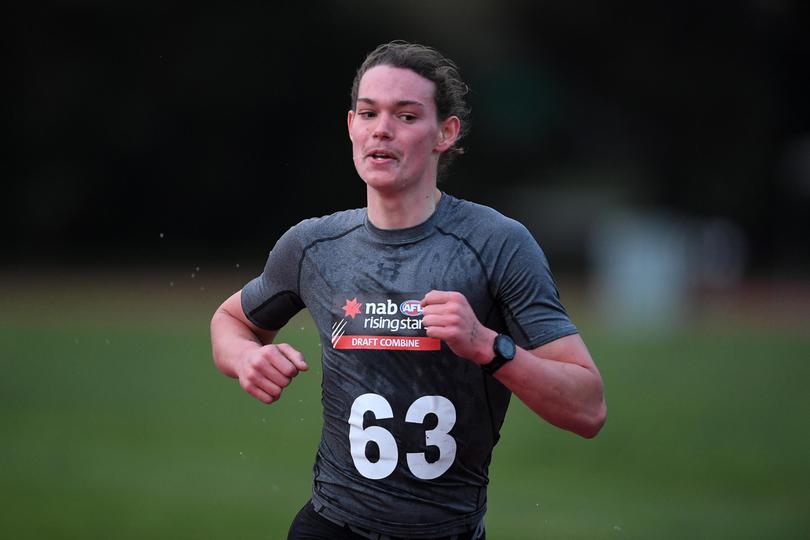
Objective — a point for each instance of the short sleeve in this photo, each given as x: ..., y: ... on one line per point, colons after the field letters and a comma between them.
x: 271, y: 299
x: 527, y: 294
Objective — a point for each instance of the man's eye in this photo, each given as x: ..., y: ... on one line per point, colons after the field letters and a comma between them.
x: 408, y: 117
x: 366, y: 114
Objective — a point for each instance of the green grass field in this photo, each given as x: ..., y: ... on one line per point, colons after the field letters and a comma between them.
x: 115, y: 424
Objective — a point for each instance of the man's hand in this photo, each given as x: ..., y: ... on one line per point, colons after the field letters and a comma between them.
x: 265, y: 371
x: 449, y: 317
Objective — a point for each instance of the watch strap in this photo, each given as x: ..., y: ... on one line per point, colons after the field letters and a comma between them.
x: 496, y: 364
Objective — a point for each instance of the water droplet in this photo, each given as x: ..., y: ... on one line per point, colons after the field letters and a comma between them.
x: 171, y: 284
x: 237, y: 265
x: 617, y: 528
x: 193, y: 275
x: 302, y: 419
x: 161, y: 235
x: 197, y: 269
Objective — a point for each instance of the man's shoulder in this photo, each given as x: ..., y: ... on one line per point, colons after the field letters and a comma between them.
x: 467, y: 218
x: 329, y: 226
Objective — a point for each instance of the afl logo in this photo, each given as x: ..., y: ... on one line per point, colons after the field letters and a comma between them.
x: 411, y: 308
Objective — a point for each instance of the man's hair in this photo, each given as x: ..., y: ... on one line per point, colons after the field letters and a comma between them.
x: 451, y: 91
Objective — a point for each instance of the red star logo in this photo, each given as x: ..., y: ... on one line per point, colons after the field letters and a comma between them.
x: 352, y: 308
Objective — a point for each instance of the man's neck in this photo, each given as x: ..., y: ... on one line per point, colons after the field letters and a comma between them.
x: 401, y: 210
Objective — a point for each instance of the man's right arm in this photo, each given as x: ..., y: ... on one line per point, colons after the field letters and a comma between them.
x: 246, y: 352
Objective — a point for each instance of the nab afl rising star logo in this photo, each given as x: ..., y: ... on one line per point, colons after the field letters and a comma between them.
x: 380, y: 321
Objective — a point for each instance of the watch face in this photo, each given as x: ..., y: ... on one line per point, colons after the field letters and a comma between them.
x: 505, y: 347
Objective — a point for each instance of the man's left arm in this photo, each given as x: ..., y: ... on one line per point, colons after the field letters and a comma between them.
x: 558, y: 381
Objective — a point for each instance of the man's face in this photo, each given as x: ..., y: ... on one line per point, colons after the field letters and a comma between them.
x: 396, y: 136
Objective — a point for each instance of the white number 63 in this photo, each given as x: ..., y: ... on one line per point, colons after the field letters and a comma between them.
x: 376, y: 404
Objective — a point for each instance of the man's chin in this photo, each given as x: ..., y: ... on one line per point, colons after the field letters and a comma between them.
x: 382, y: 182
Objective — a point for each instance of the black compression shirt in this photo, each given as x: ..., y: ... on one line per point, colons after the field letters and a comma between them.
x: 408, y: 426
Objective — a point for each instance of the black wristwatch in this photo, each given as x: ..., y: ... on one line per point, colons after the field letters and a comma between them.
x: 504, y: 349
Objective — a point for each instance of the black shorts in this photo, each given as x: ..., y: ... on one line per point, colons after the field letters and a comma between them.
x: 310, y: 525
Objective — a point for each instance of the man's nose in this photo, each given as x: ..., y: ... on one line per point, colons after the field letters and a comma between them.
x: 383, y: 128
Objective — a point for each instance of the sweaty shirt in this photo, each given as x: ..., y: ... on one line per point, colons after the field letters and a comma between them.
x: 408, y: 427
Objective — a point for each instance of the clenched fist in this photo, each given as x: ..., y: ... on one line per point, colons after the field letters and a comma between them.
x: 265, y: 372
x: 449, y: 317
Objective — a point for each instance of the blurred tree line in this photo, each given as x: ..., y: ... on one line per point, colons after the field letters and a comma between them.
x: 144, y: 131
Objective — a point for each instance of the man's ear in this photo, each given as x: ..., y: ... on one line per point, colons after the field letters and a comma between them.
x: 449, y: 131
x: 349, y: 120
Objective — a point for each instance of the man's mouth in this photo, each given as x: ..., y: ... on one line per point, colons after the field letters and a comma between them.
x: 381, y: 155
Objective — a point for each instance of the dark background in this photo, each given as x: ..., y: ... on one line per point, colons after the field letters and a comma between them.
x: 151, y: 133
